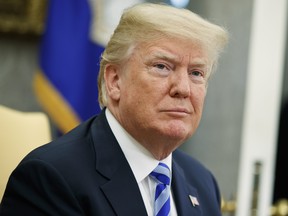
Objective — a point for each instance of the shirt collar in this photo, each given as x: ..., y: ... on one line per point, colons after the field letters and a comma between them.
x: 139, y: 158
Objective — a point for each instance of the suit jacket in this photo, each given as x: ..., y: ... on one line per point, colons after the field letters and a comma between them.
x: 86, y: 173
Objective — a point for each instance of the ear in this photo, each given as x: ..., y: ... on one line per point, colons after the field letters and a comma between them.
x: 112, y: 81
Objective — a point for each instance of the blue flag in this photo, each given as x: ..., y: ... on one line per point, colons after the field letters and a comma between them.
x: 74, y: 38
x: 66, y: 84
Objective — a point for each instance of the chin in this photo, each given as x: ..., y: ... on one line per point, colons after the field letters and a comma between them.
x: 178, y: 134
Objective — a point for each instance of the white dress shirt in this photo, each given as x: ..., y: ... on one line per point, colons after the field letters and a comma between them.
x: 141, y: 162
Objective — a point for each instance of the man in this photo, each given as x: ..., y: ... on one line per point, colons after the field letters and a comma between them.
x: 152, y: 84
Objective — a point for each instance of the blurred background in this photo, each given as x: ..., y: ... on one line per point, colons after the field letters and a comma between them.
x: 219, y: 141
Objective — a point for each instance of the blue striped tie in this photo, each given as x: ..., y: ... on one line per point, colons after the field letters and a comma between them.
x: 161, y: 174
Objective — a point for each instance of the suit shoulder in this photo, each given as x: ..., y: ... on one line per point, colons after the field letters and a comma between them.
x: 194, y: 170
x: 198, y: 175
x: 185, y: 160
x: 72, y: 143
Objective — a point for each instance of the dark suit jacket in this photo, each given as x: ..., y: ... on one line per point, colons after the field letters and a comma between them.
x: 86, y: 173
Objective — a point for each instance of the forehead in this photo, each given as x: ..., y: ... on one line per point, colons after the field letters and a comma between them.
x: 173, y: 49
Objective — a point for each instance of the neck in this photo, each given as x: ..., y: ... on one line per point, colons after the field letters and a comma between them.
x: 159, y: 150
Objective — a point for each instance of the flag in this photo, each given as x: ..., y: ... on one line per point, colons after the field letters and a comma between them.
x: 70, y: 50
x: 194, y: 200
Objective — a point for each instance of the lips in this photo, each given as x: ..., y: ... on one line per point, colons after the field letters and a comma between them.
x: 182, y: 111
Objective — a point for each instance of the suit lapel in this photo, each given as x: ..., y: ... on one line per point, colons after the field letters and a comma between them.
x: 121, y: 188
x: 183, y: 192
x: 123, y: 193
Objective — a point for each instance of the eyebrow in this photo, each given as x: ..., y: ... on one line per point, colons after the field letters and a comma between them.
x: 162, y: 55
x: 196, y: 62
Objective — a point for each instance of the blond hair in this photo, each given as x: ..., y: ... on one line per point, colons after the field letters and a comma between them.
x: 148, y: 22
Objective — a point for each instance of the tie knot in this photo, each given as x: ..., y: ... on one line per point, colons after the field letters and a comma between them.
x: 161, y: 174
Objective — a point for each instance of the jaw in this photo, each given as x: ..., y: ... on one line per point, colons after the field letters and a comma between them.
x: 160, y: 144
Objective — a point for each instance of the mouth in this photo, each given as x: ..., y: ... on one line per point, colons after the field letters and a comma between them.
x: 177, y: 112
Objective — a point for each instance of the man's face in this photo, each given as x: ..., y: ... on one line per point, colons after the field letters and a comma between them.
x: 162, y: 89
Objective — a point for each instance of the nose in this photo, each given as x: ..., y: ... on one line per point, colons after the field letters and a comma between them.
x: 180, y: 84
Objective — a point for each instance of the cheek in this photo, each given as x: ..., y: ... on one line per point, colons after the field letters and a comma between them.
x: 198, y: 98
x: 134, y: 96
x: 149, y: 91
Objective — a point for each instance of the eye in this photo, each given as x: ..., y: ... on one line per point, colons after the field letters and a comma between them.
x: 161, y: 69
x: 160, y: 66
x: 196, y: 73
x: 197, y: 76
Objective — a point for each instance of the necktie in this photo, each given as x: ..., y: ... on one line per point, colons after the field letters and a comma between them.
x: 161, y: 174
